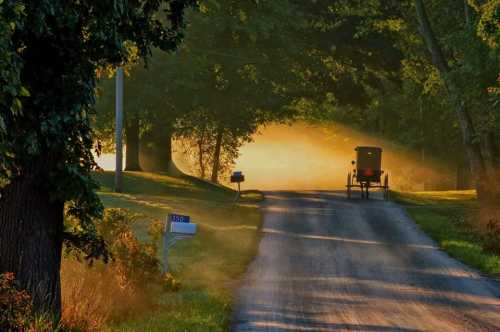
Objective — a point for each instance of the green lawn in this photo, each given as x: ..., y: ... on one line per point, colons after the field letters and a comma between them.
x: 449, y: 218
x: 210, y: 264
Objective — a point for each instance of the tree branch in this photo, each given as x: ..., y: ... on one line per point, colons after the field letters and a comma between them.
x: 430, y: 38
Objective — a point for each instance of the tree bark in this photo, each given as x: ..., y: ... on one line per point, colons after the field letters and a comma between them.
x: 488, y: 151
x: 217, y: 153
x: 156, y: 150
x: 31, y: 237
x: 483, y: 186
x: 463, y: 176
x: 132, y: 142
x: 201, y: 153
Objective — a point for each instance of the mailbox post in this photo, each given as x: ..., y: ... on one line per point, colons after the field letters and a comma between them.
x: 177, y: 227
x: 238, y: 177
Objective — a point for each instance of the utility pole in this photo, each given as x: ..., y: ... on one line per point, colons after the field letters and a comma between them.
x: 119, y: 131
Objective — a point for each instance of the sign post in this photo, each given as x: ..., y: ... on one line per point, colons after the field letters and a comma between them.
x: 177, y: 227
x: 238, y: 177
x: 119, y: 131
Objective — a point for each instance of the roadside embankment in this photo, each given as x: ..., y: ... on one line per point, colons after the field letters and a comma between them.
x: 451, y: 219
x: 205, y: 268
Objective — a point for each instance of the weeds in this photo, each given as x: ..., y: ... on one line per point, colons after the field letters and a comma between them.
x: 94, y: 296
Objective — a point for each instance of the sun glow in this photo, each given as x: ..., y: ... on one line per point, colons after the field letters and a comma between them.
x: 308, y: 157
x: 316, y: 157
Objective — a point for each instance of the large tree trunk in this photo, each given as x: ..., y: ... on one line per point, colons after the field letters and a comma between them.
x: 217, y: 153
x: 156, y: 150
x: 132, y: 142
x: 463, y: 176
x: 485, y: 190
x: 488, y: 151
x: 31, y: 236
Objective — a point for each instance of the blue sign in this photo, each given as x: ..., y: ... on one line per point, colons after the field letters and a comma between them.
x: 179, y: 218
x: 237, y: 173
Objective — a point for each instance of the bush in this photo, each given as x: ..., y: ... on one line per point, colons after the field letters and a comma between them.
x: 136, y: 262
x: 15, y: 305
x: 169, y: 283
x: 95, y: 295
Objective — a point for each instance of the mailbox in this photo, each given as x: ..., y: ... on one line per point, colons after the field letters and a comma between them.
x: 237, y: 177
x: 183, y: 228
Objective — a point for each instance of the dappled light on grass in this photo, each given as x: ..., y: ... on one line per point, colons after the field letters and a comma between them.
x: 107, y: 161
x: 432, y: 197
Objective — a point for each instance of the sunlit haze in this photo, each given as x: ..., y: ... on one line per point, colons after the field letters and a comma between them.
x: 307, y: 157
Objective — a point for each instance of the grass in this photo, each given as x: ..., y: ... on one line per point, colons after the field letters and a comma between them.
x: 210, y: 264
x: 450, y: 218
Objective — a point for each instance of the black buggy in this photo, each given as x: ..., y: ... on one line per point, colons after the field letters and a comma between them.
x: 367, y: 172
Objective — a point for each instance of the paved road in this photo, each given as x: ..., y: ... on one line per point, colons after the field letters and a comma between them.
x: 329, y: 264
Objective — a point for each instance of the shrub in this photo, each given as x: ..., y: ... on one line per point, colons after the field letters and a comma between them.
x: 15, y: 305
x: 136, y: 262
x: 96, y: 295
x: 92, y: 296
x: 169, y: 283
x: 16, y: 310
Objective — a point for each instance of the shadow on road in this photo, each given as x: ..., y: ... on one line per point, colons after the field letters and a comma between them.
x: 328, y: 263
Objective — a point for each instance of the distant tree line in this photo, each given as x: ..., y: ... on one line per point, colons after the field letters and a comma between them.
x: 366, y: 64
x: 213, y: 94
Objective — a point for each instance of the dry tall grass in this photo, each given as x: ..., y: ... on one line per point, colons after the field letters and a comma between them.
x: 95, y: 296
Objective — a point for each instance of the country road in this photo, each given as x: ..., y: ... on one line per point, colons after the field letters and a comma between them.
x: 326, y: 263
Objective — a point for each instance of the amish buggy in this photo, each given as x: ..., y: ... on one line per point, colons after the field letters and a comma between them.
x: 367, y: 172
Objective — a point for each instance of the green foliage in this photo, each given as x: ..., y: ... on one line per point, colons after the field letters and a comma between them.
x: 488, y: 27
x: 398, y: 92
x: 135, y: 261
x: 12, y: 91
x: 230, y: 75
x: 53, y: 49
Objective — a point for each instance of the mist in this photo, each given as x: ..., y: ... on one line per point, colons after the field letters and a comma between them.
x: 318, y: 157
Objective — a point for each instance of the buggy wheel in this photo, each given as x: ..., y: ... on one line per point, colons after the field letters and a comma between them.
x: 386, y: 187
x: 349, y: 185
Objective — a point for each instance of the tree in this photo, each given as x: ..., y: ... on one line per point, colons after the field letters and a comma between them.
x: 57, y: 47
x: 241, y: 52
x: 149, y: 115
x: 462, y: 68
x: 226, y: 72
x: 459, y: 46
